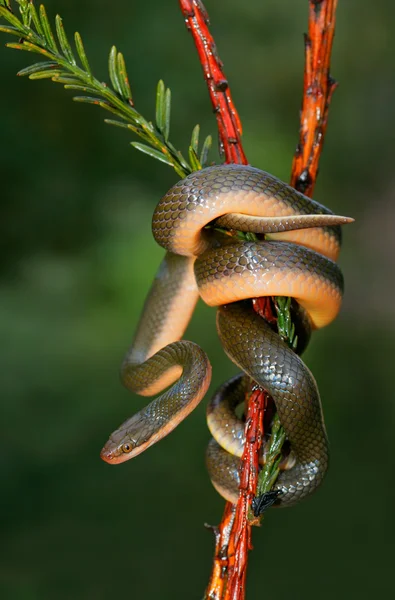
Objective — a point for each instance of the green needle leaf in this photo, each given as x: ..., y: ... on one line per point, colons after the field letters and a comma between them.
x: 88, y: 100
x: 123, y: 78
x: 205, y: 150
x: 160, y: 105
x: 31, y: 48
x: 152, y: 152
x: 112, y: 68
x: 80, y: 87
x: 195, y: 138
x: 63, y: 41
x: 95, y: 101
x: 135, y: 130
x: 10, y: 30
x: 193, y: 159
x: 117, y: 123
x: 65, y: 79
x: 38, y: 67
x: 43, y: 75
x: 166, y: 116
x: 36, y: 20
x: 47, y: 29
x: 81, y: 53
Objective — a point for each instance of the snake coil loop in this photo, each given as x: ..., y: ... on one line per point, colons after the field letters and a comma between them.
x: 296, y: 259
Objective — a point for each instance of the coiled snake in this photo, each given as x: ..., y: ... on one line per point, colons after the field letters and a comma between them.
x: 296, y: 259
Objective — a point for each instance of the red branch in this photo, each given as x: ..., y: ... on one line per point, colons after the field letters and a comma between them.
x: 233, y: 535
x: 228, y: 120
x: 318, y: 88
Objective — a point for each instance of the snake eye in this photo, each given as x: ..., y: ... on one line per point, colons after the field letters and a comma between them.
x: 126, y: 448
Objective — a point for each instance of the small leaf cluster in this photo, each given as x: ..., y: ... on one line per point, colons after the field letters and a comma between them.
x: 72, y: 69
x: 285, y: 327
x: 162, y: 127
x: 270, y: 470
x: 196, y: 159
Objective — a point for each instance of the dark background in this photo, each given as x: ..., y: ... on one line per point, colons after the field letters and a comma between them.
x: 77, y: 259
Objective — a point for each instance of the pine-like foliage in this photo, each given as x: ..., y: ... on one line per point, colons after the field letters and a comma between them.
x: 61, y: 65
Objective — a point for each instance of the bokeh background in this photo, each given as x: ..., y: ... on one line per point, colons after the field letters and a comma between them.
x: 77, y: 259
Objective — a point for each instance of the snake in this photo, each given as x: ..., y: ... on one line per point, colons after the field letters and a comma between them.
x: 197, y: 222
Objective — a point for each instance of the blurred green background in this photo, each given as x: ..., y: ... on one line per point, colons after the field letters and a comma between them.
x: 77, y: 259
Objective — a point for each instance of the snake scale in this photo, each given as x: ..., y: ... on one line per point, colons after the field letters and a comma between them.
x: 295, y: 258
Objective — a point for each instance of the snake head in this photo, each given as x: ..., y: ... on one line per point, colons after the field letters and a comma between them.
x: 115, y: 452
x: 128, y: 441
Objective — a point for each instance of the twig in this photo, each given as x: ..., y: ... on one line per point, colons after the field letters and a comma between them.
x: 228, y: 121
x: 219, y: 574
x: 317, y: 94
x: 233, y: 535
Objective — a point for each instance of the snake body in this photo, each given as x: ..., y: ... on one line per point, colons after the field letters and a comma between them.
x: 296, y: 259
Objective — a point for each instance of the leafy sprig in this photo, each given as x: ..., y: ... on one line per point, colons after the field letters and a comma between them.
x: 270, y: 470
x: 285, y: 327
x: 61, y: 66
